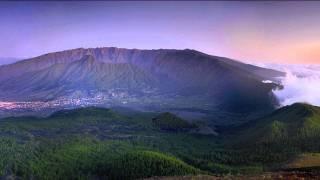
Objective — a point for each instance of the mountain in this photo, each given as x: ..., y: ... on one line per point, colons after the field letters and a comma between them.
x: 181, y: 78
x: 85, y: 74
x: 295, y: 126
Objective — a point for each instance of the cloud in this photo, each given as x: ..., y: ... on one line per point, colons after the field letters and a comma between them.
x: 301, y: 84
x: 299, y: 89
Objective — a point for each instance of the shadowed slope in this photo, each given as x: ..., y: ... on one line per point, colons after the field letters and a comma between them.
x: 228, y: 84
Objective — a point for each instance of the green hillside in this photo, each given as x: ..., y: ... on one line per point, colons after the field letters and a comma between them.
x: 85, y: 160
x: 278, y: 137
x: 297, y: 124
x: 139, y: 164
x: 99, y: 143
x: 170, y: 122
x: 91, y: 142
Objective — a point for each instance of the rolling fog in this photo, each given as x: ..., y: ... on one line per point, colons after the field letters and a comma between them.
x: 301, y: 84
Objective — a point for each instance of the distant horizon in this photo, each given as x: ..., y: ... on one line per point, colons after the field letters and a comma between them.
x: 270, y: 32
x: 258, y: 63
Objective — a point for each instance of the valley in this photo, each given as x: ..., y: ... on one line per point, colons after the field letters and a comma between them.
x: 95, y: 142
x: 130, y: 90
x: 90, y: 113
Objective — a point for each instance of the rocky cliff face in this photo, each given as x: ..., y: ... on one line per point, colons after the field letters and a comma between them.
x: 144, y: 58
x: 182, y: 72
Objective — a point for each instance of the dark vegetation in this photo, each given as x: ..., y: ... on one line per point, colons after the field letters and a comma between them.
x: 292, y: 128
x: 98, y: 143
x: 170, y: 122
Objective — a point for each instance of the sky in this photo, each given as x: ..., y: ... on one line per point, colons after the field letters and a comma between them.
x: 273, y: 32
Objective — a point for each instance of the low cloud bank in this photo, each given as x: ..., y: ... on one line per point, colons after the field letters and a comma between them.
x: 301, y: 84
x: 304, y: 89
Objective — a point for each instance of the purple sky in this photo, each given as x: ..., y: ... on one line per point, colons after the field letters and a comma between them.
x: 287, y: 32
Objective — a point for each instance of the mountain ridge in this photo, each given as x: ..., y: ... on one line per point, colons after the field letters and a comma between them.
x: 188, y: 73
x: 106, y: 54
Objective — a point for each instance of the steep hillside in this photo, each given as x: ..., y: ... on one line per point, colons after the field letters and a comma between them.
x: 297, y: 126
x: 150, y: 58
x: 86, y: 74
x: 223, y: 83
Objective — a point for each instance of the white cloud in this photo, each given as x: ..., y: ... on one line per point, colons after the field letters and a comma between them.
x: 267, y: 81
x: 299, y: 89
x: 301, y: 84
